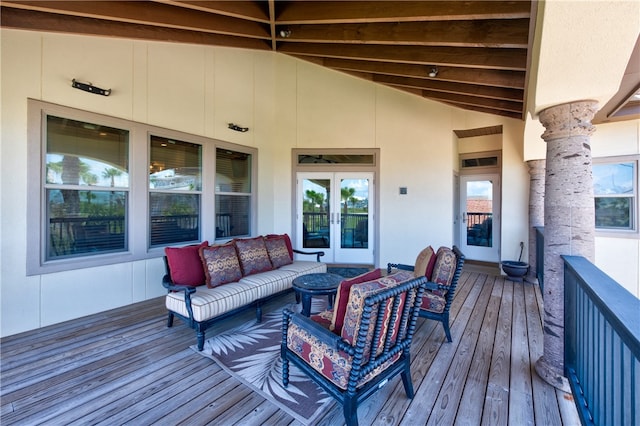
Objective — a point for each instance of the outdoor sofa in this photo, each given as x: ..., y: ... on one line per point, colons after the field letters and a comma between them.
x: 206, y: 283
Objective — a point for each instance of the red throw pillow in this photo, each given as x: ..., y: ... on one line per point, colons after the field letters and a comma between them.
x: 425, y: 263
x: 185, y: 266
x: 342, y: 297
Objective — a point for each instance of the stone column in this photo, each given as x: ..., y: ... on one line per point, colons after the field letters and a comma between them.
x: 569, y: 219
x: 536, y: 211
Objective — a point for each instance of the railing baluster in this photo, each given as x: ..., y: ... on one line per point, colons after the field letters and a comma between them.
x: 602, y: 345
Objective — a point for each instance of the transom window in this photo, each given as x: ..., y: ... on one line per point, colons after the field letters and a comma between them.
x: 106, y: 190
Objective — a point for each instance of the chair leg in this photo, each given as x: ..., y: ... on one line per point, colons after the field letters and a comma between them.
x: 350, y: 408
x: 406, y: 380
x: 200, y: 337
x: 285, y: 370
x: 170, y: 320
x: 445, y: 324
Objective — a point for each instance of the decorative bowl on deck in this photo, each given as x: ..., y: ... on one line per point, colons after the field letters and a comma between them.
x: 515, y: 270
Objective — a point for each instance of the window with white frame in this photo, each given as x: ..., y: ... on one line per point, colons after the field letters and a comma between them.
x: 103, y: 190
x: 615, y: 184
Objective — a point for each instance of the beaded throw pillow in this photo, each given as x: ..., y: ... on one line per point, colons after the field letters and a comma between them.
x: 278, y: 251
x: 253, y: 255
x: 220, y: 264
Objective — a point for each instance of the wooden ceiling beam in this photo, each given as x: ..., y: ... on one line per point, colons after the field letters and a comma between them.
x: 158, y: 14
x: 515, y: 115
x: 487, y: 77
x: 494, y: 104
x: 42, y: 21
x: 485, y: 33
x: 334, y: 12
x: 252, y: 10
x: 454, y: 88
x: 485, y: 58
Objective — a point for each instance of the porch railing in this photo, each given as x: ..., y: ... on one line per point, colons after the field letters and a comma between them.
x: 602, y: 345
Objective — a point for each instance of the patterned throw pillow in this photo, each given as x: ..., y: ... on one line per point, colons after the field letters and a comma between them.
x: 278, y: 251
x: 357, y: 295
x: 221, y: 264
x: 185, y: 267
x: 444, y: 269
x: 425, y: 262
x: 253, y: 255
x: 342, y: 296
x: 287, y: 241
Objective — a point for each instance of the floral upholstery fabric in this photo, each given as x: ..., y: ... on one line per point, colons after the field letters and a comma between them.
x: 323, y: 318
x: 253, y: 255
x: 444, y: 269
x: 432, y: 302
x: 355, y: 308
x: 342, y: 296
x: 220, y: 264
x: 333, y: 364
x: 277, y: 251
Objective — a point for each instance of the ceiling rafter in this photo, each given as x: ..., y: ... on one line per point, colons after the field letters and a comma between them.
x: 471, y: 54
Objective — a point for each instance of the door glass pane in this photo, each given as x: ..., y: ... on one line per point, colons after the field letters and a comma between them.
x: 354, y: 209
x: 315, y: 213
x: 479, y: 216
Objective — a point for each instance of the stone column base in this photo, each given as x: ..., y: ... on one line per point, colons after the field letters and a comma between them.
x: 551, y: 375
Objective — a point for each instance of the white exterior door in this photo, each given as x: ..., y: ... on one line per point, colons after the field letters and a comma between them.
x: 334, y: 213
x: 480, y: 211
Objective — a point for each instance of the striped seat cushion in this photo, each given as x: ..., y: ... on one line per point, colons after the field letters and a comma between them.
x: 208, y: 303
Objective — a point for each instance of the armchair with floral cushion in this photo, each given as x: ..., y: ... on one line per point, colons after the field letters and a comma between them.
x: 442, y: 270
x: 354, y: 356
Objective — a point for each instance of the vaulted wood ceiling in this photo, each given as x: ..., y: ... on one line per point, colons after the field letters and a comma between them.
x: 480, y: 50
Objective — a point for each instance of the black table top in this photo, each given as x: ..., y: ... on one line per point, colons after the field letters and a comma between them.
x: 318, y: 281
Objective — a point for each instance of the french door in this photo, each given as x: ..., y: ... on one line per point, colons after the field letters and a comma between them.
x: 334, y: 213
x: 480, y: 211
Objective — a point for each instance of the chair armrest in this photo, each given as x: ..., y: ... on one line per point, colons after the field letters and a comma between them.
x: 390, y: 266
x: 311, y: 253
x: 169, y: 285
x: 430, y: 285
x: 188, y: 291
x: 316, y: 330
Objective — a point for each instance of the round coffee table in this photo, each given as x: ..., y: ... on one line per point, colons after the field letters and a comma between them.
x: 320, y: 284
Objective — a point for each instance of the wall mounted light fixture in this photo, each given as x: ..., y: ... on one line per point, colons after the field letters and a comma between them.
x: 88, y: 87
x: 433, y: 72
x: 238, y: 128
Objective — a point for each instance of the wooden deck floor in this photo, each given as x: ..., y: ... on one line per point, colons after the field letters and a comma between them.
x: 126, y: 367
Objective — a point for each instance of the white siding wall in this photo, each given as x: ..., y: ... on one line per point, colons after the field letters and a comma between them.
x: 286, y: 103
